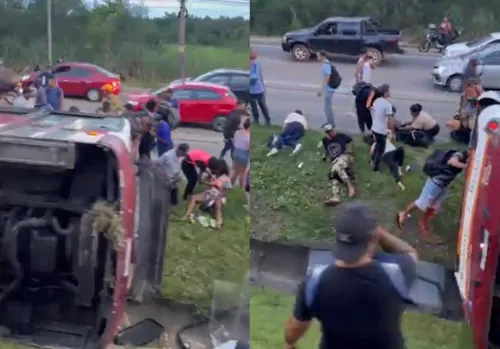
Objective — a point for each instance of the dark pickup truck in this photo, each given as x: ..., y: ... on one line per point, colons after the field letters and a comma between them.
x: 343, y: 36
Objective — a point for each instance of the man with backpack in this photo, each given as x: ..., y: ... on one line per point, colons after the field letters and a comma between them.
x: 331, y: 80
x: 441, y: 168
x: 360, y: 296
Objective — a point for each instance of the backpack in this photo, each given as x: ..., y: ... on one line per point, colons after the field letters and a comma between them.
x: 254, y: 74
x: 359, y: 86
x: 335, y: 79
x: 437, y: 162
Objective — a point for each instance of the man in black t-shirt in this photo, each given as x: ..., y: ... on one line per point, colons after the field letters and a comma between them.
x: 338, y: 150
x: 360, y: 297
x: 147, y: 140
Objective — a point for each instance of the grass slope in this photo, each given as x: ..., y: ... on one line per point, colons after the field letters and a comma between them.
x: 196, y: 256
x: 287, y: 202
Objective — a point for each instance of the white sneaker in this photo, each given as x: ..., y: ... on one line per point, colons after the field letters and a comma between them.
x: 275, y: 139
x: 320, y: 144
x: 272, y: 152
x: 298, y: 148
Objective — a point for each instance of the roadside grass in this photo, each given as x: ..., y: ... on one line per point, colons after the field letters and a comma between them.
x: 197, y: 256
x: 270, y: 310
x: 287, y: 202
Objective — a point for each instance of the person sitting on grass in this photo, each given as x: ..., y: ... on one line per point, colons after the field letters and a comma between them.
x: 213, y: 198
x: 338, y: 150
x: 359, y: 297
x: 393, y: 157
x: 441, y: 167
x: 294, y: 128
x: 421, y: 131
x: 463, y: 122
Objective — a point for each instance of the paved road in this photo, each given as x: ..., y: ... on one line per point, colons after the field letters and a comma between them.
x: 281, y: 102
x: 408, y: 74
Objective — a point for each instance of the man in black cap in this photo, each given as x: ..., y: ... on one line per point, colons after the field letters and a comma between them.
x: 360, y: 297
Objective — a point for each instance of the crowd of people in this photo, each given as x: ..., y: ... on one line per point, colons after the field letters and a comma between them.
x: 373, y: 271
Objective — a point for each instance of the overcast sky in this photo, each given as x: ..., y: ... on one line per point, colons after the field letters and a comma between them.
x: 199, y: 8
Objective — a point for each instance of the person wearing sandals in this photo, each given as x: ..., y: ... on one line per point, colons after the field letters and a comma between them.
x: 434, y: 190
x: 337, y: 147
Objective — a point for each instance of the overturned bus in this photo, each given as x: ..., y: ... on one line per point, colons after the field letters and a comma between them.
x: 82, y: 227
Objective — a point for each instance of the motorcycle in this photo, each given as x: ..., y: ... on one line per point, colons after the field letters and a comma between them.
x: 434, y: 39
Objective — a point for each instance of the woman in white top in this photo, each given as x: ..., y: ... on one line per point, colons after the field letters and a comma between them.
x: 393, y: 157
x: 295, y: 127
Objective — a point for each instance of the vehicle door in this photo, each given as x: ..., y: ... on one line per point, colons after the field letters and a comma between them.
x: 207, y: 105
x: 369, y: 33
x: 151, y: 223
x: 349, y: 37
x: 491, y: 70
x: 239, y: 84
x: 186, y: 103
x: 78, y: 81
x: 61, y: 73
x: 325, y: 38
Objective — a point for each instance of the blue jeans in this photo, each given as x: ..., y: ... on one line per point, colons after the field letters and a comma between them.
x: 328, y: 95
x: 290, y: 136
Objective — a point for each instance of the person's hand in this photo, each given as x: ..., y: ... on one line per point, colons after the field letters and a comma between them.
x: 320, y: 93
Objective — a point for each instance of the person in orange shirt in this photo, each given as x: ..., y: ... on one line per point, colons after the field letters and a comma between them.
x: 193, y: 166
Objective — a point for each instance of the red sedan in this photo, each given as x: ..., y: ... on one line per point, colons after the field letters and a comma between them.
x: 198, y: 102
x: 80, y: 79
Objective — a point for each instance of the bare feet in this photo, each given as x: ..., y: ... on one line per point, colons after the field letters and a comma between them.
x: 351, y: 192
x: 400, y: 220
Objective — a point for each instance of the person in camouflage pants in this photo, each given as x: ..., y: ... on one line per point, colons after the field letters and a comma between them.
x: 338, y: 150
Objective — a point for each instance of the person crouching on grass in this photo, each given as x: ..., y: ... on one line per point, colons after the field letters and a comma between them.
x: 393, y: 157
x: 338, y: 150
x: 215, y: 196
x: 294, y: 129
x: 442, y: 168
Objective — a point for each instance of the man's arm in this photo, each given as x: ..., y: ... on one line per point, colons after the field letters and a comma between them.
x: 369, y: 100
x: 61, y: 97
x: 393, y: 244
x: 456, y: 161
x: 298, y: 324
x: 326, y: 71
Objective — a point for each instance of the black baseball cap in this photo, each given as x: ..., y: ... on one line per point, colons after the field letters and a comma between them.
x: 354, y: 225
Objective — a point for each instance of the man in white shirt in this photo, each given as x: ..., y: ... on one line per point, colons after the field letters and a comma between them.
x: 295, y: 127
x: 381, y: 111
x: 364, y: 69
x: 170, y: 163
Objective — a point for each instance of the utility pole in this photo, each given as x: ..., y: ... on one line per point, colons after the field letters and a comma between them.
x: 182, y: 39
x: 49, y: 31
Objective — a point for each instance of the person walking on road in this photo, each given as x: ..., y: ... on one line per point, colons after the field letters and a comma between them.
x: 360, y: 296
x: 257, y: 90
x: 55, y: 95
x: 330, y: 80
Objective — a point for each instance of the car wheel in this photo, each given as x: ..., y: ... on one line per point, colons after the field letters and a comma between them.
x: 454, y: 83
x: 301, y: 53
x: 93, y: 95
x: 218, y: 123
x: 376, y: 54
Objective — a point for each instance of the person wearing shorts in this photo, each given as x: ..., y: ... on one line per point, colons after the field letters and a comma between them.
x: 433, y: 193
x: 241, y: 154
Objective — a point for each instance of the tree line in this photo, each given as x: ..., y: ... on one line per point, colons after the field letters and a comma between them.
x: 276, y: 17
x: 116, y: 34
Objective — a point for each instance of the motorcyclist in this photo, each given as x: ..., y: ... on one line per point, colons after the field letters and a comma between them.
x: 445, y: 29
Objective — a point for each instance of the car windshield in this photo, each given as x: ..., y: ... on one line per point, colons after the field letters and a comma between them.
x: 204, y: 76
x: 478, y: 42
x: 105, y: 72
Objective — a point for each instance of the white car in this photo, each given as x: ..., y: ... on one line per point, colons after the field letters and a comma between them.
x: 463, y: 48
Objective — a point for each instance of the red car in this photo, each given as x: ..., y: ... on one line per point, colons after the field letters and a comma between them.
x: 80, y: 79
x: 197, y: 102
